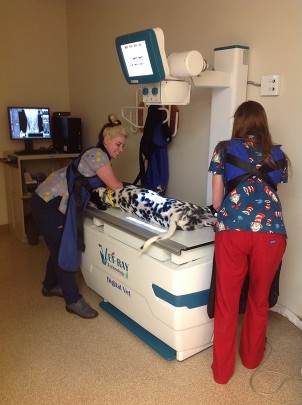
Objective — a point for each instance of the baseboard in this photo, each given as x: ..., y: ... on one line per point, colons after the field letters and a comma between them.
x: 4, y: 229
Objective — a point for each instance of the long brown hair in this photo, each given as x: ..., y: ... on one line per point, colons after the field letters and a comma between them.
x: 250, y: 120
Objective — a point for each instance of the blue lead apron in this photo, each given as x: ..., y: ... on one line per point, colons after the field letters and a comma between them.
x: 72, y: 243
x: 238, y: 170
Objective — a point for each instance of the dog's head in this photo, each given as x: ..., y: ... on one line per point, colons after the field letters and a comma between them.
x: 106, y: 196
x: 117, y: 198
x: 101, y: 192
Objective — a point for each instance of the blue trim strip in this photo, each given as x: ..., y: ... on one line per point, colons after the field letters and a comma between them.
x: 231, y: 47
x: 152, y: 341
x: 193, y: 300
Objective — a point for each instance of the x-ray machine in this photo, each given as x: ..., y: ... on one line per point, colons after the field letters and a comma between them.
x: 162, y: 295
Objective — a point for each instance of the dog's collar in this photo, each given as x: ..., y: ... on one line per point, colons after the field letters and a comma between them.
x: 109, y: 195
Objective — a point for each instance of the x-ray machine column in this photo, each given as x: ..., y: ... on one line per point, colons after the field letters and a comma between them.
x: 229, y: 84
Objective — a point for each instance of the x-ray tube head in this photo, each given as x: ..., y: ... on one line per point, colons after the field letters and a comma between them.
x: 184, y: 64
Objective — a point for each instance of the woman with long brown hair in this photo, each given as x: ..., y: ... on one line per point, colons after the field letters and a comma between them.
x: 250, y: 235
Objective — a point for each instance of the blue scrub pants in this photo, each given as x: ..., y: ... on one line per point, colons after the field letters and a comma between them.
x: 50, y: 222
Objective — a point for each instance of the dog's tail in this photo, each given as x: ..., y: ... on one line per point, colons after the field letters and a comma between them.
x: 170, y: 232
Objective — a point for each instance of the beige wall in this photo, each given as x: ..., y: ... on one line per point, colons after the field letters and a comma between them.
x: 273, y: 31
x: 33, y: 72
x: 271, y: 28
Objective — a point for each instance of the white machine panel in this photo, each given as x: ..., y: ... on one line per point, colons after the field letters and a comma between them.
x: 167, y: 299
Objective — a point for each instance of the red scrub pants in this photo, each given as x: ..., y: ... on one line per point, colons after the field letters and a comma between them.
x: 236, y: 253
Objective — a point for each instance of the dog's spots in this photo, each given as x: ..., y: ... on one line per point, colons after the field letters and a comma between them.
x: 149, y: 205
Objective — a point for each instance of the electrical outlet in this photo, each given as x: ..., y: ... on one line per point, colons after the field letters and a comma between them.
x: 270, y: 85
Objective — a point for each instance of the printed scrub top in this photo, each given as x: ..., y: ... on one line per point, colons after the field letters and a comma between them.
x: 252, y: 206
x: 56, y: 183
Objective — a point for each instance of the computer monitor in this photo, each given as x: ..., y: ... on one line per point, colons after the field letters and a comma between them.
x: 29, y: 124
x: 142, y: 56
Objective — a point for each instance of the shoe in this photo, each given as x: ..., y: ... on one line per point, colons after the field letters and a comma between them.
x: 54, y: 292
x: 82, y: 309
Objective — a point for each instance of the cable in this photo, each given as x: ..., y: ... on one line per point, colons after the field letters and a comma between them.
x: 287, y: 378
x: 6, y: 160
x: 254, y: 84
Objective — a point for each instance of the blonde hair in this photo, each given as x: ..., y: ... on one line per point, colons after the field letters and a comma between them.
x: 112, y: 129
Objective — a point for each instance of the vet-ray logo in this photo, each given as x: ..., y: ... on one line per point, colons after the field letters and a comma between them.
x: 109, y: 259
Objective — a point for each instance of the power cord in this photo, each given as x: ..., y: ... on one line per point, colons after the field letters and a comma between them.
x: 254, y: 84
x: 288, y: 378
x: 6, y: 160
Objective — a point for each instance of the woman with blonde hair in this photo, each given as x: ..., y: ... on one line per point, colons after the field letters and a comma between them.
x: 57, y: 207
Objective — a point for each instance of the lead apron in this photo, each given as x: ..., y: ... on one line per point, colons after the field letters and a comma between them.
x: 238, y: 171
x: 72, y: 244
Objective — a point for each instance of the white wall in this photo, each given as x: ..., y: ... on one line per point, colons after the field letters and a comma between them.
x: 273, y: 31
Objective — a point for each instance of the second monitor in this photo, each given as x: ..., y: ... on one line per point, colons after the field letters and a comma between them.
x: 67, y: 134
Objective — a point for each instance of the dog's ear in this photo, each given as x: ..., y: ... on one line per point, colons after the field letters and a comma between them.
x: 97, y: 199
x: 101, y: 191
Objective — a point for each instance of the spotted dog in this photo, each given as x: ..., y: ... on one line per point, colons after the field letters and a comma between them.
x: 167, y: 212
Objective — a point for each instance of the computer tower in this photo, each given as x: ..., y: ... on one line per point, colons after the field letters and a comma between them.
x: 67, y: 134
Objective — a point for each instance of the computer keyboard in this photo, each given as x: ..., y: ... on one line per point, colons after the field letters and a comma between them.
x: 35, y: 152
